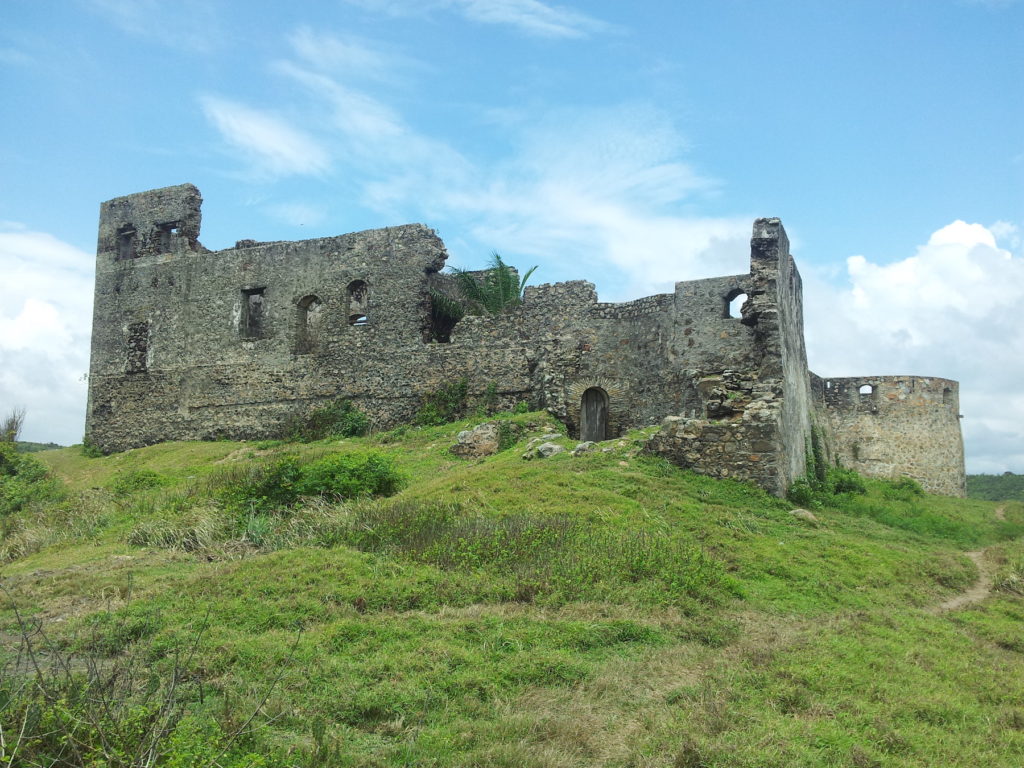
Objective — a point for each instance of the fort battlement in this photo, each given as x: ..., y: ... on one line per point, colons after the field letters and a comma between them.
x: 190, y: 343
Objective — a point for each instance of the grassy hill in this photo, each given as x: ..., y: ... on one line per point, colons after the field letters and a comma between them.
x: 606, y: 609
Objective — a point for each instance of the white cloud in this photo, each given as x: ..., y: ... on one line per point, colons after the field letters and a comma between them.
x: 583, y: 190
x: 530, y: 16
x: 347, y: 56
x: 950, y: 310
x: 44, y: 332
x: 1007, y: 233
x: 190, y: 25
x: 274, y: 147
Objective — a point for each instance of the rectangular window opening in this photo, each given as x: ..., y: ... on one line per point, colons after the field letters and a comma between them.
x: 252, y: 312
x: 126, y: 245
x: 168, y: 233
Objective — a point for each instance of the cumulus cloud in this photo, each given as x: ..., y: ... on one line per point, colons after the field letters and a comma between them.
x: 44, y: 332
x: 273, y: 146
x: 952, y: 309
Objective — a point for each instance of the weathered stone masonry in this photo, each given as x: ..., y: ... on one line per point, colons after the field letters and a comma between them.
x: 196, y: 344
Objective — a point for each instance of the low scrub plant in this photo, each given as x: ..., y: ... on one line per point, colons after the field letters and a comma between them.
x: 241, y: 502
x: 24, y: 480
x: 134, y: 480
x: 98, y: 701
x: 338, y: 419
x: 443, y: 405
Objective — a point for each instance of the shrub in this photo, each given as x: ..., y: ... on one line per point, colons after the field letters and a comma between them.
x: 90, y: 450
x: 127, y: 483
x: 11, y: 424
x: 260, y: 487
x: 802, y: 494
x: 23, y: 479
x: 444, y: 405
x: 843, y: 480
x: 350, y: 475
x: 903, y: 488
x: 337, y: 419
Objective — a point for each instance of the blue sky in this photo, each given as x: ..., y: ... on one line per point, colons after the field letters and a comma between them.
x: 631, y: 144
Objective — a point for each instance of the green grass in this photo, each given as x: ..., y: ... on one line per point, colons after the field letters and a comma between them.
x: 607, y: 609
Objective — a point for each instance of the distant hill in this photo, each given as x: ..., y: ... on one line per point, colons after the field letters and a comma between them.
x: 1004, y: 487
x: 23, y: 446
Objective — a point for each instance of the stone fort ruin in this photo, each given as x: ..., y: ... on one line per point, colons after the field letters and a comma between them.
x: 192, y: 344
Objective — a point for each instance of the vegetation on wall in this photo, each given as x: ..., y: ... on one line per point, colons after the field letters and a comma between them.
x: 492, y: 291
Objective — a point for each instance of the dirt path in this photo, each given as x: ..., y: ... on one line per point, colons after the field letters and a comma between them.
x: 977, y: 592
x: 981, y: 588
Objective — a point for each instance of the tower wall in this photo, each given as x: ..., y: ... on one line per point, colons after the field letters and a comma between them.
x: 891, y: 426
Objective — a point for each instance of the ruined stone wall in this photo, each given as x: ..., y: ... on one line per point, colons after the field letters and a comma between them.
x: 196, y: 344
x: 891, y: 426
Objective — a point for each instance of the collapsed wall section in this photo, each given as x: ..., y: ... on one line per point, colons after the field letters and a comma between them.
x: 893, y: 426
x: 753, y: 420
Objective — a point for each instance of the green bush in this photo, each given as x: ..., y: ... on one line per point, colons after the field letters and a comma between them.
x: 260, y: 487
x: 277, y: 485
x: 802, y: 494
x: 843, y: 480
x: 127, y: 483
x: 904, y: 488
x: 23, y: 479
x: 90, y: 450
x: 444, y: 405
x: 350, y: 475
x: 337, y: 419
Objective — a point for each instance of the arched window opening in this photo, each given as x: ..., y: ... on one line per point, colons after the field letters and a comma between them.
x: 866, y: 390
x: 358, y: 302
x: 594, y: 415
x: 308, y: 322
x: 126, y: 243
x: 947, y: 396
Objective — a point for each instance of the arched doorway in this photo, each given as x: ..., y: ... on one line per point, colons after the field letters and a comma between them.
x: 594, y: 415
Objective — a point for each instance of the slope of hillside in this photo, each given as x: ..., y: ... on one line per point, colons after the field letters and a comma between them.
x: 604, y: 609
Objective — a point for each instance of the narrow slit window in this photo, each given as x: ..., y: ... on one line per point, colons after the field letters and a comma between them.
x: 309, y: 315
x: 253, y: 312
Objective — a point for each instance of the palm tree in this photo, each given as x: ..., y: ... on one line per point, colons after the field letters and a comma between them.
x: 491, y: 293
x: 487, y: 292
